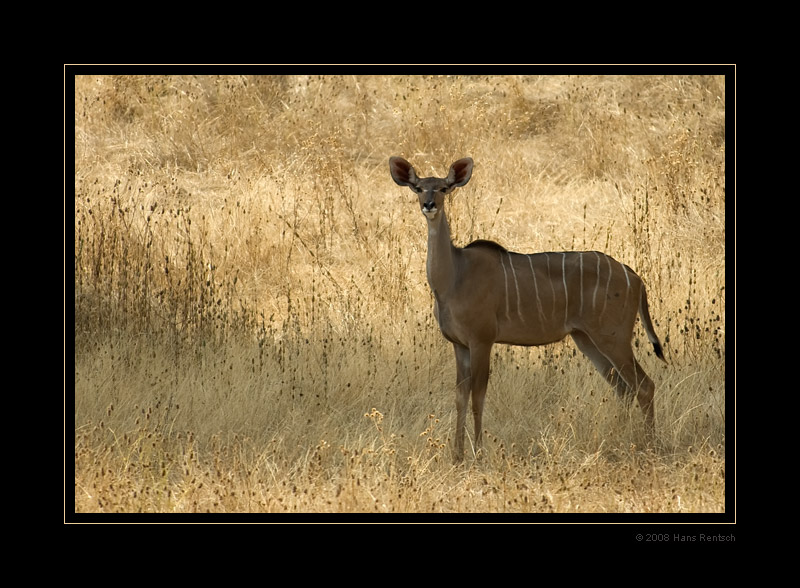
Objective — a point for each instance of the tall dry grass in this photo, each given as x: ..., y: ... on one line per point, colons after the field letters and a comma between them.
x: 253, y: 326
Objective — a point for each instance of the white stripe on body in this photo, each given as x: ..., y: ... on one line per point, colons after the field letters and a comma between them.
x: 536, y: 289
x: 516, y: 284
x: 505, y: 282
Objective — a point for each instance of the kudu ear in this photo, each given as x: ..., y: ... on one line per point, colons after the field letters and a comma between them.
x: 402, y: 172
x: 460, y: 172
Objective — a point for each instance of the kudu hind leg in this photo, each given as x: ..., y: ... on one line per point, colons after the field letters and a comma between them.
x: 645, y: 394
x: 603, y: 365
x: 636, y: 378
x: 624, y: 374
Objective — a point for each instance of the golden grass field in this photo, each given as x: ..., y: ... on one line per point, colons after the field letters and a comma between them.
x: 254, y: 329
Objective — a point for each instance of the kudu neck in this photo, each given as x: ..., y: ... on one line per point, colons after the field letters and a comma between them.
x: 441, y: 270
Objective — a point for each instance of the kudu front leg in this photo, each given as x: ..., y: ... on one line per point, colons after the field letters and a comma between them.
x: 479, y: 363
x: 472, y: 367
x: 463, y: 380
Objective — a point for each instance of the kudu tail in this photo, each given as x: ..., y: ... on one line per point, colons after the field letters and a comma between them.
x: 644, y: 312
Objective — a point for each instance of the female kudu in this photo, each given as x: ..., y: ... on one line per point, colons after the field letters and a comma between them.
x: 484, y: 294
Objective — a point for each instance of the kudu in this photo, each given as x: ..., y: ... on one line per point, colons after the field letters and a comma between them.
x: 485, y: 294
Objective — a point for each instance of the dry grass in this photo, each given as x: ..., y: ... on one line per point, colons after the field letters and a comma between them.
x: 253, y: 328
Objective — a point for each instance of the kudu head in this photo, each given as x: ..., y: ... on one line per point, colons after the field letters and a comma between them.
x: 431, y: 191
